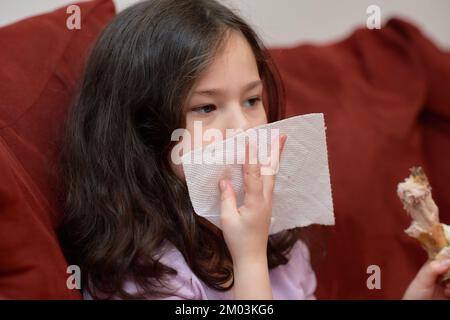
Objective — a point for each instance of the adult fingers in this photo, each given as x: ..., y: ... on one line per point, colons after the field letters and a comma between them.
x: 431, y: 271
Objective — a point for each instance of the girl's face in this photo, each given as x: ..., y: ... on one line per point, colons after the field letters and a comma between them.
x: 228, y: 95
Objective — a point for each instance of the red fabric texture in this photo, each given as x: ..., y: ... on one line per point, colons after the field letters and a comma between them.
x: 386, y: 102
x: 41, y: 61
x: 386, y: 99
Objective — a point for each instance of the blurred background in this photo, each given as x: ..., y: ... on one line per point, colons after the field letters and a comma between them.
x: 287, y: 22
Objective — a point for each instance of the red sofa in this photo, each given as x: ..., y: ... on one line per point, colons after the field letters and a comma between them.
x: 386, y: 99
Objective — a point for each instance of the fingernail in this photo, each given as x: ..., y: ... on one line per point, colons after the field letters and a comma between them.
x: 223, y: 185
x: 282, y: 141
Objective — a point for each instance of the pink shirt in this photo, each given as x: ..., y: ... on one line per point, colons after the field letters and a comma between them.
x: 294, y: 280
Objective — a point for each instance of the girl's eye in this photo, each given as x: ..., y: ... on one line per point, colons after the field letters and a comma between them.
x: 252, y: 102
x: 205, y: 109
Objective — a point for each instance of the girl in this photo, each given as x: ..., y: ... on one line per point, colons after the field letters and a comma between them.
x: 129, y: 224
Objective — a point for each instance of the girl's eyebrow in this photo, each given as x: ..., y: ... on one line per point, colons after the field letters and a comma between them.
x: 213, y: 92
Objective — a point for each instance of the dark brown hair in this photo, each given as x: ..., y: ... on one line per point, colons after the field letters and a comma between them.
x: 121, y: 197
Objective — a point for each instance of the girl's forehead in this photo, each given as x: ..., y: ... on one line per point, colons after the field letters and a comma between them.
x: 234, y: 62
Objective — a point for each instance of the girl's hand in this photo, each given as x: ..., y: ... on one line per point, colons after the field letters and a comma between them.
x: 246, y: 229
x: 425, y: 285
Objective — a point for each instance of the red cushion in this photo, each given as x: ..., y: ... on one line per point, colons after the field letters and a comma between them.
x: 41, y: 63
x: 386, y: 102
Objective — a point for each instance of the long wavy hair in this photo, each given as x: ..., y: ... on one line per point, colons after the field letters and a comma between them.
x: 121, y: 198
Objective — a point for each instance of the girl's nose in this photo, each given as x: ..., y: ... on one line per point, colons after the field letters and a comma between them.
x: 238, y: 119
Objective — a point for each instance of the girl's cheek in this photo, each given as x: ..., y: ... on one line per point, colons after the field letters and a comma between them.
x: 263, y: 114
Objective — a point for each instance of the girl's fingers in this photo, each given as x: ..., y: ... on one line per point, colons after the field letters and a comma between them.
x: 253, y: 186
x: 227, y: 199
x: 269, y: 172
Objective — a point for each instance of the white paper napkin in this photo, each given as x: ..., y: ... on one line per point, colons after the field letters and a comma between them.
x: 302, y: 192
